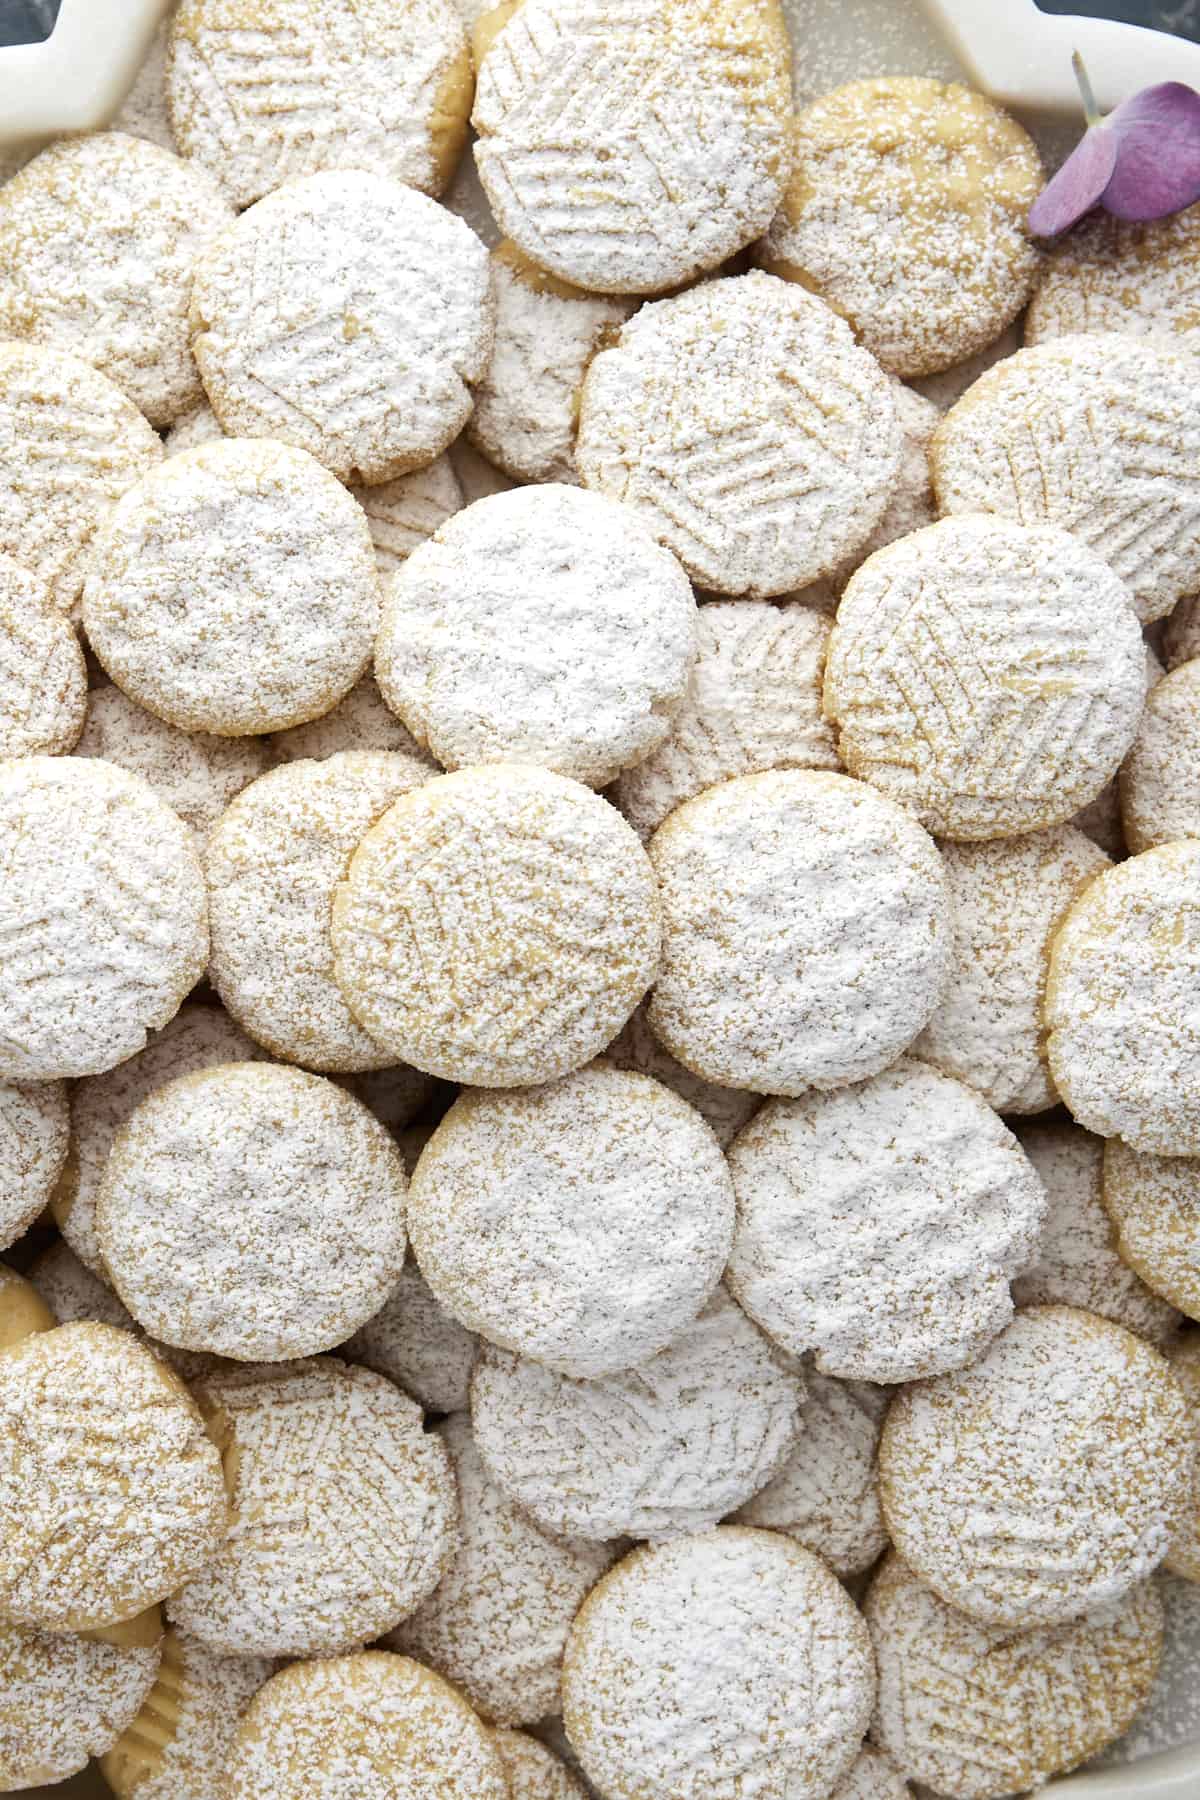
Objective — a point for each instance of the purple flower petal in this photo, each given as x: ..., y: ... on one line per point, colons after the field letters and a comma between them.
x: 1079, y: 185
x: 1158, y: 152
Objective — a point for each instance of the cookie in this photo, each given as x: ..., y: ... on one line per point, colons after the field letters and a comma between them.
x: 1045, y: 1481
x: 872, y: 1776
x: 583, y: 1224
x: 671, y: 1446
x: 745, y: 426
x: 1183, y: 1558
x: 626, y: 148
x: 746, y: 1644
x: 1154, y: 1205
x: 534, y: 1773
x: 83, y: 982
x: 359, y: 722
x: 254, y: 1211
x: 264, y: 94
x: 724, y: 1109
x: 35, y: 1132
x: 949, y: 385
x: 175, y: 1747
x: 806, y: 932
x: 196, y: 773
x: 911, y: 505
x: 1111, y: 274
x: 1160, y: 778
x: 344, y: 1511
x: 43, y: 678
x: 99, y: 239
x: 71, y: 1291
x: 1100, y: 819
x: 346, y: 315
x: 497, y: 926
x: 402, y: 513
x: 415, y: 1343
x: 65, y: 1699
x: 905, y: 211
x: 23, y: 1312
x: 1097, y: 435
x: 543, y: 626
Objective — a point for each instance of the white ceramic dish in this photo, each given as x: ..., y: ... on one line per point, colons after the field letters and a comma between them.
x: 77, y: 77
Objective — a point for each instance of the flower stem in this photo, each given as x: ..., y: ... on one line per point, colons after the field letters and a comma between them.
x: 1091, y: 111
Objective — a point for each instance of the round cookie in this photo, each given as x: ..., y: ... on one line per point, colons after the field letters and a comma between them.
x: 43, y: 677
x: 359, y: 722
x: 272, y: 864
x: 542, y: 626
x: 111, y: 1492
x: 1097, y: 435
x: 196, y: 773
x: 99, y: 237
x: 987, y: 675
x: 1124, y: 1036
x: 254, y: 1211
x: 702, y: 418
x: 879, y: 1225
x: 671, y: 1446
x: 1006, y: 900
x: 628, y: 149
x: 806, y: 932
x: 637, y: 1049
x: 911, y: 505
x: 234, y: 590
x: 84, y: 981
x: 415, y: 1343
x: 366, y: 1727
x: 1109, y: 274
x: 35, y: 1133
x: 346, y: 315
x: 534, y: 1773
x: 65, y: 1699
x: 263, y: 94
x: 496, y: 927
x: 1160, y: 778
x: 746, y: 1645
x: 1183, y: 1558
x: 753, y: 703
x: 1046, y: 1480
x: 905, y: 211
x: 980, y: 1712
x: 23, y: 1312
x: 72, y: 445
x: 345, y: 1514
x: 1078, y: 1262
x: 1154, y: 1205
x: 496, y: 1625
x: 1181, y: 634
x: 583, y: 1223
x: 826, y: 1495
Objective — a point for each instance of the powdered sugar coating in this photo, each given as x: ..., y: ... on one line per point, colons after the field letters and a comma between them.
x: 981, y: 1712
x: 496, y: 1625
x: 73, y: 1292
x: 1097, y: 435
x: 753, y: 702
x: 1154, y: 1205
x: 497, y: 926
x: 1183, y: 1557
x: 583, y: 1223
x: 1160, y: 778
x: 1124, y: 1039
x: 344, y: 1511
x: 726, y: 1665
x: 636, y: 1048
x: 872, y: 1776
x: 345, y: 314
x: 99, y: 238
x: 1110, y: 275
x: 987, y: 675
x: 477, y: 477
x: 415, y: 1343
x: 195, y: 773
x: 254, y: 1211
x: 911, y: 505
x: 542, y: 626
x: 35, y: 1130
x: 534, y: 1773
x: 65, y: 1699
x: 43, y: 679
x: 359, y: 722
x: 402, y: 513
x: 1100, y: 819
x: 747, y: 428
x: 670, y: 1446
x: 83, y: 982
x: 1046, y: 1480
x: 806, y: 932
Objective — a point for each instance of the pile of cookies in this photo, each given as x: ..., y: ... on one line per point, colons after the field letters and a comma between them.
x: 600, y: 907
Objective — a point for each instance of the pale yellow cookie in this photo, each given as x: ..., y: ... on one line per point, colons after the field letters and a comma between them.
x: 416, y: 1343
x: 534, y: 1773
x: 1160, y: 778
x: 872, y: 1776
x: 1154, y: 1205
x: 196, y: 773
x: 911, y: 504
x: 1183, y: 1557
x: 65, y: 1698
x: 636, y: 1048
x: 23, y: 1312
x: 35, y: 1132
x: 43, y: 678
x: 1107, y: 274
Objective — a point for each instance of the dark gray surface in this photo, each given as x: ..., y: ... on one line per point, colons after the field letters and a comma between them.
x: 27, y: 21
x: 1180, y: 17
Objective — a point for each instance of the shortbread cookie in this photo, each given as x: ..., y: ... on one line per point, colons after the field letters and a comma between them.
x: 497, y: 926
x: 345, y: 314
x: 747, y: 428
x: 65, y: 1699
x: 725, y: 1109
x: 583, y: 1223
x: 911, y: 505
x: 111, y: 1492
x: 872, y: 1776
x: 366, y: 1727
x: 1007, y: 898
x: 1078, y: 1263
x: 35, y: 1130
x: 344, y: 1511
x: 23, y: 1312
x: 1184, y: 1555
x: 415, y: 1343
x: 99, y: 238
x: 272, y: 864
x: 534, y: 1773
x: 979, y: 1712
x: 263, y: 94
x: 728, y: 1659
x: 880, y: 1225
x: 1046, y: 1480
x: 401, y: 514
x: 1100, y: 819
x: 1109, y: 275
x: 359, y: 722
x: 542, y: 626
x: 1154, y: 1205
x: 672, y: 1446
x: 1098, y: 435
x: 72, y: 1291
x: 826, y: 1495
x: 1124, y: 1036
x: 1160, y: 778
x: 905, y: 210
x: 806, y: 932
x: 1181, y: 635
x: 175, y: 1748
x: 196, y: 773
x: 626, y: 148
x: 234, y: 590
x: 753, y: 703
x: 496, y: 1625
x: 72, y: 445
x: 83, y: 981
x: 254, y: 1211
x: 43, y: 678
x: 547, y: 332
